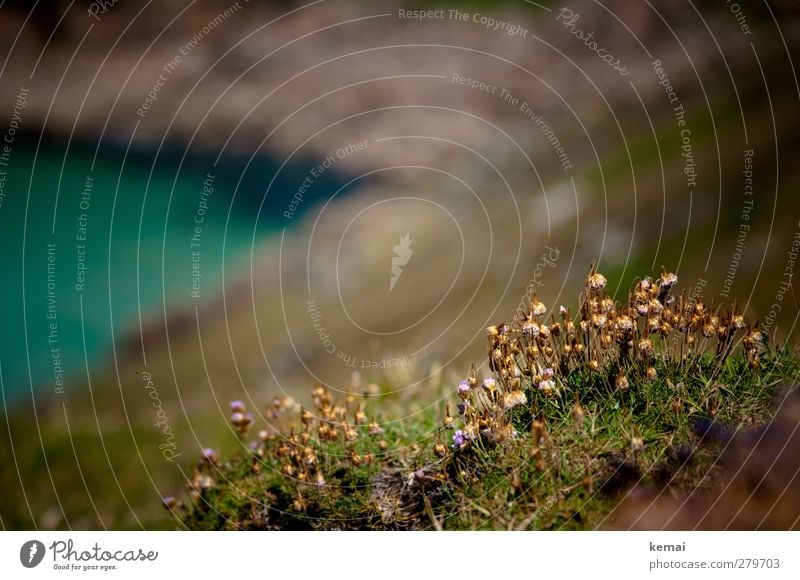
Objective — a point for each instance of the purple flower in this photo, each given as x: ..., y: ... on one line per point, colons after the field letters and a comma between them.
x: 459, y: 439
x: 463, y: 389
x: 210, y: 455
x: 237, y: 406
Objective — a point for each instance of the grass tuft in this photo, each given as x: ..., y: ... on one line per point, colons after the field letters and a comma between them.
x: 578, y: 410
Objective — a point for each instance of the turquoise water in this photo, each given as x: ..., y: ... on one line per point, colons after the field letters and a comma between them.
x: 87, y: 240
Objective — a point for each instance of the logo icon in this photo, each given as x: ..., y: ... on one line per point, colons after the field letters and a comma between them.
x: 402, y: 254
x: 31, y: 553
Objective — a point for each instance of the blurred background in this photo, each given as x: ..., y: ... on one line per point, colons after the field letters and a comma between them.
x: 206, y: 200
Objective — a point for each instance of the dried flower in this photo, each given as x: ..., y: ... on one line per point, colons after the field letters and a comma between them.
x: 374, y: 428
x: 210, y: 456
x: 514, y: 398
x: 645, y: 348
x: 668, y: 280
x: 547, y: 386
x: 299, y: 504
x: 577, y: 414
x: 530, y: 329
x: 595, y: 281
x: 537, y: 308
x: 355, y: 458
x: 624, y: 323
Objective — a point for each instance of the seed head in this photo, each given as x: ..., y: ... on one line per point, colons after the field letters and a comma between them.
x: 595, y: 281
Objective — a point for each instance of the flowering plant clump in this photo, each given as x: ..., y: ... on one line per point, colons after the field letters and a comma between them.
x: 576, y: 407
x: 534, y: 359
